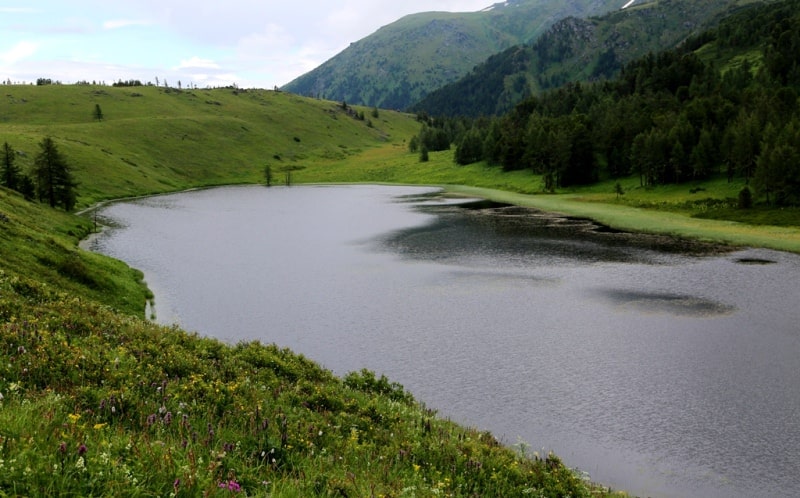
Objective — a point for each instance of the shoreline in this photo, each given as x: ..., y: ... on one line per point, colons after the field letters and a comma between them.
x: 650, y: 221
x: 615, y: 216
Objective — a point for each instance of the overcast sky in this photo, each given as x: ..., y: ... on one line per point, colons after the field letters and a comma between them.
x: 252, y: 43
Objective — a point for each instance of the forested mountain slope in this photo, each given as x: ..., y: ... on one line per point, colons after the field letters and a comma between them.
x: 573, y: 50
x: 723, y: 103
x: 403, y: 61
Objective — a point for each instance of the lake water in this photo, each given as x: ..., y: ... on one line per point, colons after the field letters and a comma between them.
x: 668, y: 370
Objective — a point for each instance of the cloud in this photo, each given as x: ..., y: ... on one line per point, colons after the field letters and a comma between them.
x: 20, y: 51
x: 196, y: 63
x: 18, y: 10
x: 124, y: 23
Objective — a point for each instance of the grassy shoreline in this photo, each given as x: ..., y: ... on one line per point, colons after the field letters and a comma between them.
x: 623, y: 217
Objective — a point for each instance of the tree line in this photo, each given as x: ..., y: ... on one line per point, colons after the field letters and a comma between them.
x: 667, y: 118
x: 50, y: 179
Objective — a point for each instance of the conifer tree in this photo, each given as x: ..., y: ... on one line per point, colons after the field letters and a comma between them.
x: 10, y: 174
x: 54, y: 182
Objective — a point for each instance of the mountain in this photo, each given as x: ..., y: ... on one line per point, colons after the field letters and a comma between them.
x: 575, y: 49
x: 404, y: 61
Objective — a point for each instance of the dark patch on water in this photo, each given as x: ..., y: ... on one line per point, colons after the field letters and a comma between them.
x: 658, y: 302
x: 530, y: 237
x: 755, y: 261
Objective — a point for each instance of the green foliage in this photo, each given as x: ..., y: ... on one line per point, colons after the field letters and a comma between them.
x: 54, y: 182
x: 745, y: 198
x: 669, y: 117
x: 10, y: 172
x: 424, y: 156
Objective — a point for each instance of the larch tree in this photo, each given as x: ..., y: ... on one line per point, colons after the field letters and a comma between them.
x: 54, y: 182
x: 10, y: 173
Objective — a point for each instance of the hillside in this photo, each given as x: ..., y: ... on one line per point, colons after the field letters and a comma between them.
x: 403, y: 61
x: 573, y: 50
x: 153, y: 139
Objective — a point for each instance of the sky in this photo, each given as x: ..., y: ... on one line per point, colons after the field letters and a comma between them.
x: 203, y: 43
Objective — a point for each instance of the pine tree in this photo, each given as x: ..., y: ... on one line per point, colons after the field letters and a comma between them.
x: 54, y: 182
x: 10, y: 174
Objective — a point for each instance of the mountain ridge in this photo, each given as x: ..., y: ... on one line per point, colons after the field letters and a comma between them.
x: 573, y: 50
x: 403, y: 61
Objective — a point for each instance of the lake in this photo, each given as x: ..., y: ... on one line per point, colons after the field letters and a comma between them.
x: 662, y: 367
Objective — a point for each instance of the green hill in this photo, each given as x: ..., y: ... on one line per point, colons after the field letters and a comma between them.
x: 403, y: 61
x: 155, y: 139
x: 574, y: 50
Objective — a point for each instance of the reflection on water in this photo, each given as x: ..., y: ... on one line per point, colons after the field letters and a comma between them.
x: 667, y: 368
x: 659, y: 302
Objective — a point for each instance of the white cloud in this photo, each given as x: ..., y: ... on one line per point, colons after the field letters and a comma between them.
x: 124, y: 23
x: 20, y: 51
x: 18, y: 10
x: 196, y: 63
x: 263, y: 43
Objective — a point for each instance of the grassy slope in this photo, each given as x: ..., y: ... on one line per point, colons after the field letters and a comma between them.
x: 152, y: 140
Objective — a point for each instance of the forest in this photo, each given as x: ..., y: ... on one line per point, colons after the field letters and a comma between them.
x: 723, y: 103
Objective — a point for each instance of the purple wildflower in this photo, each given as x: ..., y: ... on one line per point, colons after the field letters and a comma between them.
x: 231, y: 486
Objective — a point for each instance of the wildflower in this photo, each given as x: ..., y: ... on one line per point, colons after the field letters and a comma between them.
x: 97, y: 427
x: 231, y: 486
x: 62, y: 448
x: 82, y: 449
x: 74, y: 417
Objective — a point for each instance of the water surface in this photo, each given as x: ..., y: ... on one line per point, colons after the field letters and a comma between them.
x: 666, y: 369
